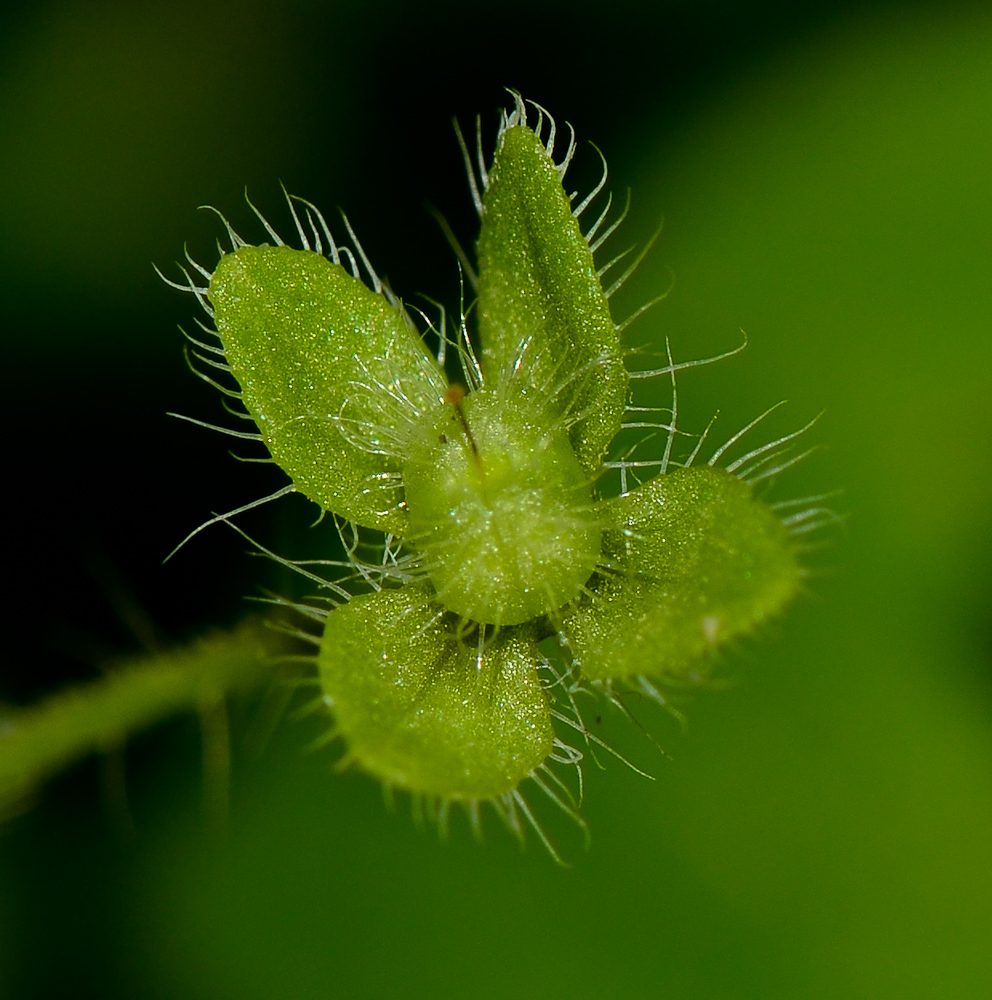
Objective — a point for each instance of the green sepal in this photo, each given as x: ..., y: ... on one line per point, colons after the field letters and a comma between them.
x: 334, y: 376
x: 543, y: 316
x: 693, y: 560
x: 421, y: 709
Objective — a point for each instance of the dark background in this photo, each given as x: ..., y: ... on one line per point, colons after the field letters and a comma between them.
x: 823, y: 827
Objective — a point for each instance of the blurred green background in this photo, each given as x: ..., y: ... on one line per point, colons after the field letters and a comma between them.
x: 824, y: 827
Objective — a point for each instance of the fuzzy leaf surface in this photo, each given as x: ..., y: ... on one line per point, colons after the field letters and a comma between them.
x: 694, y: 560
x: 332, y: 373
x: 421, y: 709
x: 543, y: 316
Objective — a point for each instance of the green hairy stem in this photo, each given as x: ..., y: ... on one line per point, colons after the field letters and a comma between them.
x: 37, y: 742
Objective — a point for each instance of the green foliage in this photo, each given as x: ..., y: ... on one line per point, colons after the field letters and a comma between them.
x: 310, y: 345
x: 503, y: 572
x: 508, y: 538
x: 541, y: 306
x: 694, y: 560
x: 421, y: 709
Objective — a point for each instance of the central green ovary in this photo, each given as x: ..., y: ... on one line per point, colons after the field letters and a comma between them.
x: 501, y: 511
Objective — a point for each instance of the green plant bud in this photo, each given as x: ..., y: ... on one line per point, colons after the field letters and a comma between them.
x: 422, y: 710
x: 333, y: 374
x: 542, y: 310
x: 694, y: 560
x: 501, y: 510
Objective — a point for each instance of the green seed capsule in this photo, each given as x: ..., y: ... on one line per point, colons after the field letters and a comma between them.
x: 496, y: 538
x: 501, y: 511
